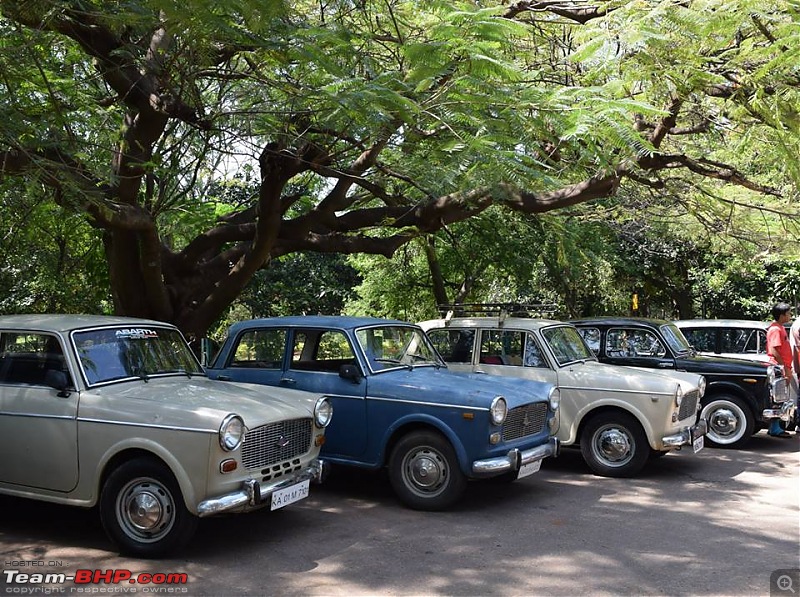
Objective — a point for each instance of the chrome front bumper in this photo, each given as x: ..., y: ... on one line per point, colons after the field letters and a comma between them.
x: 515, y: 459
x: 686, y: 436
x: 254, y: 495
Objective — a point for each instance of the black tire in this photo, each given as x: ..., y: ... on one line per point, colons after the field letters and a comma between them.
x: 614, y: 444
x: 160, y: 525
x: 730, y: 421
x: 424, y: 471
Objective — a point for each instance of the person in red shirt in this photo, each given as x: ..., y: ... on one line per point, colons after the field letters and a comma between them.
x: 779, y: 352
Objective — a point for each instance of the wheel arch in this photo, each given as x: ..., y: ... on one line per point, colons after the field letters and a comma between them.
x: 722, y: 388
x: 585, y: 417
x: 409, y: 425
x: 113, y: 460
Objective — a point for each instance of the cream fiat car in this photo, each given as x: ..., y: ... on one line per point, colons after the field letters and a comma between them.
x: 117, y: 412
x: 619, y: 416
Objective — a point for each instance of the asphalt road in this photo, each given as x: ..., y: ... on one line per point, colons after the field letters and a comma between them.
x: 716, y: 523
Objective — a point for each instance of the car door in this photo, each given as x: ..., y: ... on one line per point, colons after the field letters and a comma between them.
x: 637, y: 347
x: 313, y: 363
x: 38, y: 424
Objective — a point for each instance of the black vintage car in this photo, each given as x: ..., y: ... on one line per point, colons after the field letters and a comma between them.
x: 741, y: 396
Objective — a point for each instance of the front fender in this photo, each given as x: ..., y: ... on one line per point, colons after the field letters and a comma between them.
x: 573, y: 430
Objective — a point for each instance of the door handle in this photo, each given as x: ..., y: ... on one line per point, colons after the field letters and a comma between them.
x: 665, y: 365
x: 224, y: 378
x: 288, y: 380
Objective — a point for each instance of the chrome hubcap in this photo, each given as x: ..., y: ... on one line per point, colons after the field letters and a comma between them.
x: 723, y: 422
x: 613, y: 445
x: 145, y: 510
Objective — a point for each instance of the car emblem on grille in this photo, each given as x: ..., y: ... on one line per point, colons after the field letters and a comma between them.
x: 282, y: 442
x: 526, y: 421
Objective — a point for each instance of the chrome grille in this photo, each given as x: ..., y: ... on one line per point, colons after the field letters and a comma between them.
x: 270, y: 444
x: 688, y: 407
x: 525, y: 420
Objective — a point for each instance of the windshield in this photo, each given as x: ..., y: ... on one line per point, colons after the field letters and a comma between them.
x: 389, y: 347
x: 675, y: 338
x: 121, y: 353
x: 566, y: 344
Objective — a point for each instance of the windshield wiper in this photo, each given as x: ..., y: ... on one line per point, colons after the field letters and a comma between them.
x: 140, y: 373
x: 394, y: 362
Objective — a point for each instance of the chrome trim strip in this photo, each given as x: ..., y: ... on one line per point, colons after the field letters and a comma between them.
x: 147, y: 425
x: 443, y: 405
x: 621, y: 391
x: 37, y: 416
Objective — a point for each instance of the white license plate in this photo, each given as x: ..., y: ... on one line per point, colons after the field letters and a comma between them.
x: 529, y: 469
x: 290, y: 495
x: 698, y: 444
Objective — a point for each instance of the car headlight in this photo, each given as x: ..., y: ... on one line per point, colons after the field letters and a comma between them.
x: 678, y: 395
x: 702, y: 386
x: 771, y: 374
x: 231, y: 433
x: 499, y: 410
x: 323, y: 412
x: 554, y: 398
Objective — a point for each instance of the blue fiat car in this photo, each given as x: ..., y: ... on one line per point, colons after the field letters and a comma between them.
x: 396, y: 403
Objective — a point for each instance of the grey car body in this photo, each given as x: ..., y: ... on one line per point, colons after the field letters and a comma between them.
x: 117, y: 412
x: 619, y: 416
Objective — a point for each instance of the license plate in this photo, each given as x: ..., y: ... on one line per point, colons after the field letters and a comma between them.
x: 529, y: 469
x: 698, y: 444
x: 290, y: 495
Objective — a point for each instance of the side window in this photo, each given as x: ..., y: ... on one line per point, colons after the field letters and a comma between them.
x: 25, y: 358
x: 455, y: 346
x: 592, y: 338
x: 738, y: 340
x: 533, y: 356
x: 702, y: 340
x: 321, y: 351
x: 501, y: 347
x: 633, y: 343
x: 260, y: 349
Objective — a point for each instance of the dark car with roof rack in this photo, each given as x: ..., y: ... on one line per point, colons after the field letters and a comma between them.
x: 741, y: 396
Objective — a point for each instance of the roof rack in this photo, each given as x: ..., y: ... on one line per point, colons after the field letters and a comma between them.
x: 501, y: 310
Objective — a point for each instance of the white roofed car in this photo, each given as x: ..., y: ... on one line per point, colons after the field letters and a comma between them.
x: 619, y: 416
x: 735, y: 338
x: 117, y: 412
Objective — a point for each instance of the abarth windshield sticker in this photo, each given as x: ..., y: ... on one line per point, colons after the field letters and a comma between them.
x: 136, y: 333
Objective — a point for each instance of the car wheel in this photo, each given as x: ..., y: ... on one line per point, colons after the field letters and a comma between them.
x: 730, y: 422
x: 614, y: 445
x: 142, y: 510
x: 424, y: 471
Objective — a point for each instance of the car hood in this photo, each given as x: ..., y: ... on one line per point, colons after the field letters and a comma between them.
x: 608, y: 376
x: 442, y: 386
x: 709, y: 364
x: 196, y: 402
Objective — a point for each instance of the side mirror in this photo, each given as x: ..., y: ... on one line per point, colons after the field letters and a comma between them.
x: 57, y: 380
x: 350, y: 372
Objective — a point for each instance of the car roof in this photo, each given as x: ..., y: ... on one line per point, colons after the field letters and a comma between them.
x: 66, y: 322
x: 493, y: 322
x: 616, y: 320
x: 342, y: 322
x: 722, y: 323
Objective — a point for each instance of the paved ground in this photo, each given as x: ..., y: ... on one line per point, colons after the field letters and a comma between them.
x: 717, y: 523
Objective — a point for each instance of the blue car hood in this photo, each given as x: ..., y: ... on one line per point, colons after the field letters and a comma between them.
x: 442, y: 386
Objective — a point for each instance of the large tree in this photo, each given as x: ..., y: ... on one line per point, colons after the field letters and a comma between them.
x: 372, y: 123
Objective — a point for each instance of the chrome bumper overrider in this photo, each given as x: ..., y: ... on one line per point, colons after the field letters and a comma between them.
x: 254, y: 494
x: 784, y: 412
x: 515, y: 459
x: 686, y: 436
